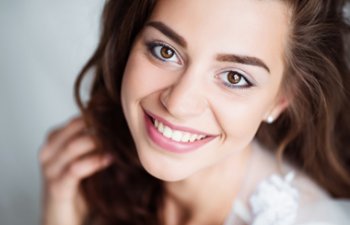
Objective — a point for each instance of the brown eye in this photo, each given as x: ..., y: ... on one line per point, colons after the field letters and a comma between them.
x: 233, y: 77
x: 166, y: 52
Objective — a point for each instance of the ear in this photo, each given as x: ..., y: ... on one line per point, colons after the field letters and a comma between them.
x: 278, y: 107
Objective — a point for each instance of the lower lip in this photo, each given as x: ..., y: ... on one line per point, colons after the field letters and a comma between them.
x: 171, y: 145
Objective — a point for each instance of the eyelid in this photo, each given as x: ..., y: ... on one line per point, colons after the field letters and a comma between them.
x: 243, y: 72
x: 154, y: 43
x: 238, y: 71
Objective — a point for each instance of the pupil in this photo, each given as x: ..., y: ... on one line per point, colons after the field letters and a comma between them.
x: 167, y: 52
x: 234, y: 78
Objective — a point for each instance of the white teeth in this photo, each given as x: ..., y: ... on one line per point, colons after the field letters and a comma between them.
x: 160, y: 127
x: 176, y: 135
x: 200, y: 137
x: 193, y: 137
x: 186, y: 137
x: 167, y: 132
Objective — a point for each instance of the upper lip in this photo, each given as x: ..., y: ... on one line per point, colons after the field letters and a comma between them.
x: 176, y: 127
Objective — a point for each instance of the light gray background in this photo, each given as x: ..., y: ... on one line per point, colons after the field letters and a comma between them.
x: 43, y: 45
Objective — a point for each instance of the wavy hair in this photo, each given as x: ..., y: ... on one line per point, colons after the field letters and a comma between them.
x: 313, y: 133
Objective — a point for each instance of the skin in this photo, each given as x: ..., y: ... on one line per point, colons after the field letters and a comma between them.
x: 67, y: 157
x: 189, y: 90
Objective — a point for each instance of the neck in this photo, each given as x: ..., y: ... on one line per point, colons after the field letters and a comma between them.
x: 207, y: 196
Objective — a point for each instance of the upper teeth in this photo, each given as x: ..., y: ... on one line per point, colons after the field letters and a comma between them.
x: 176, y: 135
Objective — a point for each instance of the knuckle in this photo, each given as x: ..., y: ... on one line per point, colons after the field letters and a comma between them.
x: 55, y: 178
x: 80, y: 143
x: 52, y: 134
x: 75, y: 122
x: 88, y: 142
x: 72, y: 146
x: 51, y: 170
x: 48, y: 173
x: 46, y: 148
x: 42, y: 155
x: 45, y: 168
x: 71, y: 171
x: 44, y: 152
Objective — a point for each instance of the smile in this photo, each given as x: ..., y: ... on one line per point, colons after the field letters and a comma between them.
x: 174, y: 138
x: 176, y: 135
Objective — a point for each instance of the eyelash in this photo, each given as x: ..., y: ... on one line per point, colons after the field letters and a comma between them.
x: 226, y: 83
x: 151, y: 46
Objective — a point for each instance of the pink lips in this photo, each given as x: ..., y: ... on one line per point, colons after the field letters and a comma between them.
x: 169, y: 144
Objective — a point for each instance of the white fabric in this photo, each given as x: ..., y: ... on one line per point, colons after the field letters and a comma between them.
x: 275, y: 201
x: 276, y: 194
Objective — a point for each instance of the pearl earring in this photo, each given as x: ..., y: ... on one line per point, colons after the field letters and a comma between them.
x: 270, y: 119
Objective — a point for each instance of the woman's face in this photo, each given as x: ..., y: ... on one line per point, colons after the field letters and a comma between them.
x: 201, y: 77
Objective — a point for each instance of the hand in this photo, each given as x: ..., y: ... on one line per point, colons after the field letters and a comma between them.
x: 68, y: 156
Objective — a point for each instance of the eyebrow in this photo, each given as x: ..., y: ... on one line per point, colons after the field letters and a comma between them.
x: 248, y: 60
x: 167, y: 31
x: 170, y: 33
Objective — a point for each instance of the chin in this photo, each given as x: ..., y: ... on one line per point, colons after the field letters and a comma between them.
x: 166, y: 177
x: 164, y: 171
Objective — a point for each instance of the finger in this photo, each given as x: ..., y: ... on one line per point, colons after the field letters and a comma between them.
x: 75, y: 149
x: 91, y: 164
x: 58, y: 137
x: 66, y: 186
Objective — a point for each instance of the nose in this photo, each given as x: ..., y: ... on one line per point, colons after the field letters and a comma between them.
x: 185, y: 98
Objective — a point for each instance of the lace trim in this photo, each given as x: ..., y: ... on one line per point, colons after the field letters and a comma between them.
x: 275, y: 202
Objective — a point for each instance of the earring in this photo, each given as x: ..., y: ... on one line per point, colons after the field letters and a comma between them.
x: 270, y: 119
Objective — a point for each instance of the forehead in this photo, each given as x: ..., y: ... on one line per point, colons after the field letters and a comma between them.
x: 248, y: 27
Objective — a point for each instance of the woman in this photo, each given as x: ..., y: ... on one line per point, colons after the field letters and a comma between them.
x: 190, y: 102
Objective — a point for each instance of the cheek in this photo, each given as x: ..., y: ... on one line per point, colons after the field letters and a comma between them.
x: 240, y: 118
x: 133, y: 89
x: 142, y: 77
x: 136, y: 78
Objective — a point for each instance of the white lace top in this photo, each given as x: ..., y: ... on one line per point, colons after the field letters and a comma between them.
x: 283, y: 196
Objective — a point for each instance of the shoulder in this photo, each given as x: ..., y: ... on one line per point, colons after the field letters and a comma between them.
x: 329, y: 212
x: 314, y: 205
x: 317, y: 207
x: 309, y: 190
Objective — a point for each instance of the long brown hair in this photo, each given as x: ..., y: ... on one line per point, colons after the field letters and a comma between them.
x: 313, y: 133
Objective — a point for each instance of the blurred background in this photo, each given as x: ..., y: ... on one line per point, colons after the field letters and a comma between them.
x: 43, y: 46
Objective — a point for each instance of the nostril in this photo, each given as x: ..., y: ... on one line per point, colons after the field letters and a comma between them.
x: 164, y: 97
x: 163, y: 101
